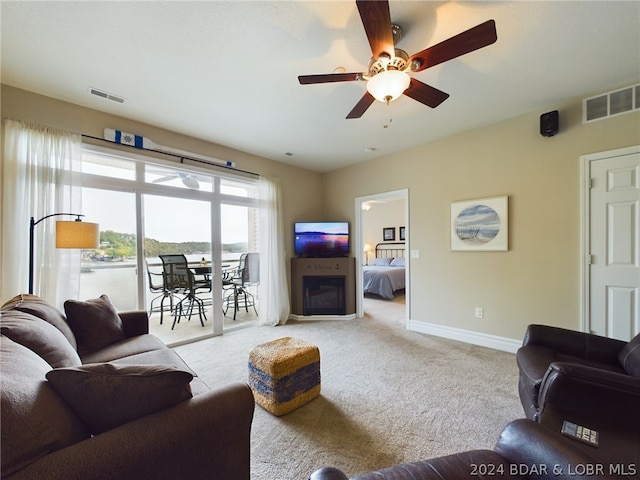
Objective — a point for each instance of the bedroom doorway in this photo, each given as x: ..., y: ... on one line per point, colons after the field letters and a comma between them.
x: 382, y: 220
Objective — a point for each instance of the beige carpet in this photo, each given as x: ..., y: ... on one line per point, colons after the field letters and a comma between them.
x: 388, y: 395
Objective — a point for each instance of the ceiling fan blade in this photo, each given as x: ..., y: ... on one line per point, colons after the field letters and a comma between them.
x: 376, y: 20
x: 361, y: 107
x: 465, y: 42
x: 165, y: 179
x: 190, y: 182
x: 328, y: 78
x: 426, y: 94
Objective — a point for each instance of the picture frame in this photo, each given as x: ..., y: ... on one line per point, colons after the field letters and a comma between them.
x: 401, y: 233
x: 480, y: 225
x: 388, y: 234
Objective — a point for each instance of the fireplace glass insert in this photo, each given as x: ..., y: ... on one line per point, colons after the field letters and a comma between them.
x: 324, y: 295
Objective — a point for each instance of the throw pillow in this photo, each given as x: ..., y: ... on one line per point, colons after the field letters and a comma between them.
x: 95, y: 323
x: 40, y: 308
x: 105, y: 395
x: 40, y: 337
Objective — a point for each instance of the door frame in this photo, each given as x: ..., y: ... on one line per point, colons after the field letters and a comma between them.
x: 395, y: 194
x: 585, y: 225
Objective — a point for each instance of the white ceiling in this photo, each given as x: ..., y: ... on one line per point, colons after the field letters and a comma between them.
x: 227, y: 71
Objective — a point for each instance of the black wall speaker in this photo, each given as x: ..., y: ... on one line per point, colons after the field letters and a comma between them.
x: 549, y: 123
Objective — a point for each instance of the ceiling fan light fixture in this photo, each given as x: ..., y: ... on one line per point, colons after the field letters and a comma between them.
x: 388, y: 85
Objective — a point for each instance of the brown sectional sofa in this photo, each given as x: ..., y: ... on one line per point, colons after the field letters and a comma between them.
x: 92, y: 395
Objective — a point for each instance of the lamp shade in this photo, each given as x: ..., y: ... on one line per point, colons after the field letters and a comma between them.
x: 77, y: 234
x: 388, y: 85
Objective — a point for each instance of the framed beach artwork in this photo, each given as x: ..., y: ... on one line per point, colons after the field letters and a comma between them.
x: 480, y: 225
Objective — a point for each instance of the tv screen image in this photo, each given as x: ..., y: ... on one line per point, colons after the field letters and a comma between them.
x: 321, y: 239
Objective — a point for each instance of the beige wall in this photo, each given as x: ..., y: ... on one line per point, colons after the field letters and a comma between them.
x: 301, y: 188
x: 538, y: 279
x: 382, y: 214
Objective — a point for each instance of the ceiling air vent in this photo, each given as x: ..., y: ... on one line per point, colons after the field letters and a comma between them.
x: 103, y: 94
x: 609, y: 104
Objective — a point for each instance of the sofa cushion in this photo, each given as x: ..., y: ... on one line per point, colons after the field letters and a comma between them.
x: 105, y: 395
x: 42, y: 309
x: 40, y: 337
x: 630, y: 357
x: 166, y: 356
x: 35, y: 420
x: 95, y: 323
x: 125, y: 348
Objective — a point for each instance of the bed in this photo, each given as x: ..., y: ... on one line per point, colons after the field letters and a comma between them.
x: 385, y: 274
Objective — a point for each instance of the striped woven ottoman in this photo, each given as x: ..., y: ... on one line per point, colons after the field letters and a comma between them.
x: 284, y: 374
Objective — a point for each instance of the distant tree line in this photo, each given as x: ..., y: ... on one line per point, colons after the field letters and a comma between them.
x: 116, y: 245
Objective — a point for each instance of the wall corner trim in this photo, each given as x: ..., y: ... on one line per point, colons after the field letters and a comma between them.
x: 467, y: 336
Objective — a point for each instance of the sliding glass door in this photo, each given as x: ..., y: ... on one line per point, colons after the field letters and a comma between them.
x: 146, y: 209
x: 179, y: 226
x: 112, y: 268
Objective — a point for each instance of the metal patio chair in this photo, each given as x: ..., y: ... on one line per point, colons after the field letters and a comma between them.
x: 180, y: 279
x: 236, y: 285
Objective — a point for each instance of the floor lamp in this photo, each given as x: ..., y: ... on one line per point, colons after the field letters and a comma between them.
x: 69, y: 234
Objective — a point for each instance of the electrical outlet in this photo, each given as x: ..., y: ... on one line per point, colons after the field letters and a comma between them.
x: 479, y: 312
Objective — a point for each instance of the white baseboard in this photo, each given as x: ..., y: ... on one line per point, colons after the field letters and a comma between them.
x: 314, y: 318
x: 468, y: 336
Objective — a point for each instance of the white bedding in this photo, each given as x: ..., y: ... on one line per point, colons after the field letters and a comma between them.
x: 383, y: 280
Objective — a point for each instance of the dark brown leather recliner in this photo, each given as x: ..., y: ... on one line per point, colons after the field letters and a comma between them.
x: 525, y: 450
x: 605, y: 371
x: 585, y: 379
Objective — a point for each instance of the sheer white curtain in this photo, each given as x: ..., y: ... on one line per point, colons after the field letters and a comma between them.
x: 41, y: 176
x: 273, y: 291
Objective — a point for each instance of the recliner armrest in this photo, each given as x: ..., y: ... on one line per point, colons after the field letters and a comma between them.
x: 538, y: 452
x: 577, y: 344
x: 134, y: 322
x: 603, y: 401
x: 596, y: 395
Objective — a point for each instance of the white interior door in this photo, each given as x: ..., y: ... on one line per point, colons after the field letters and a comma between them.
x: 614, y: 265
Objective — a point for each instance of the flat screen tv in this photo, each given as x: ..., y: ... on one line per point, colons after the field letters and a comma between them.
x: 321, y: 239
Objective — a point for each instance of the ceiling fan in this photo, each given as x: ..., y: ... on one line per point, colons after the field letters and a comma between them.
x: 188, y: 180
x: 388, y: 76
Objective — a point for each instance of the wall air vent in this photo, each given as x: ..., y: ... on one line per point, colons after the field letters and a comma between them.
x: 610, y: 104
x: 103, y: 94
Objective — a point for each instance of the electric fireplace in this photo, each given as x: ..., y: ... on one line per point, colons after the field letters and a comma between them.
x: 323, y: 287
x: 324, y: 295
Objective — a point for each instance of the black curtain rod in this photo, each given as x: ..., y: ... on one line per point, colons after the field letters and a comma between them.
x: 181, y: 157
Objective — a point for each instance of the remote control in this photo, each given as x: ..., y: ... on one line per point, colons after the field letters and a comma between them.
x: 580, y: 433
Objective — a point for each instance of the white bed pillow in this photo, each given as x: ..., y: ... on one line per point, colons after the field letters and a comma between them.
x: 381, y: 262
x: 397, y: 262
